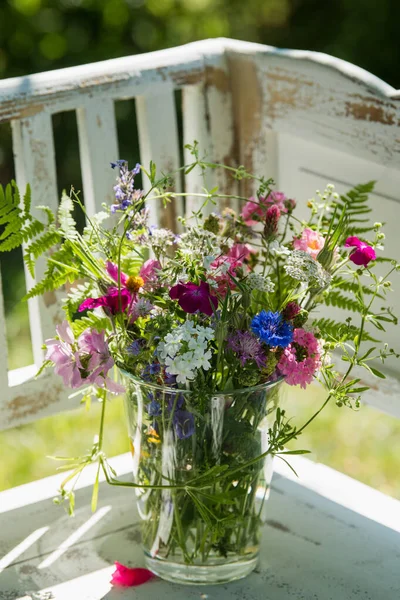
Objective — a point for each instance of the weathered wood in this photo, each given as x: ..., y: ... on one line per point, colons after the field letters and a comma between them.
x: 158, y: 141
x: 98, y: 147
x: 35, y: 164
x: 326, y: 536
x: 208, y: 119
x: 3, y: 349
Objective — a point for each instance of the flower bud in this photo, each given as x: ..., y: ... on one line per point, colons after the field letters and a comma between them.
x: 271, y: 222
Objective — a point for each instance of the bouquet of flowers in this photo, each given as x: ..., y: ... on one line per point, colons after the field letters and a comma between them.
x: 200, y: 327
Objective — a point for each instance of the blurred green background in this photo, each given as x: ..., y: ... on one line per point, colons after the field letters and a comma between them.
x: 38, y: 35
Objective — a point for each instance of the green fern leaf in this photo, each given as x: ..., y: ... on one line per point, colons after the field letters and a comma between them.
x: 65, y: 219
x: 335, y: 298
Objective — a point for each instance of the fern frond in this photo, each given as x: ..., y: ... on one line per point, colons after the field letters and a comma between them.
x: 39, y: 246
x: 49, y: 213
x: 352, y: 286
x: 334, y: 298
x: 332, y: 330
x: 66, y: 221
x: 26, y: 201
x: 93, y: 321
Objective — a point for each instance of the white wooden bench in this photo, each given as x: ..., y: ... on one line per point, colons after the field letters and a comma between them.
x: 303, y: 118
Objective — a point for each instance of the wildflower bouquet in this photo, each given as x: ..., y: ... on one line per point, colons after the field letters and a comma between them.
x: 200, y: 327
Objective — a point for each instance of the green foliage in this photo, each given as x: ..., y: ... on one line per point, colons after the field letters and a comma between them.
x: 354, y: 205
x: 335, y: 298
x: 67, y: 224
x: 335, y: 331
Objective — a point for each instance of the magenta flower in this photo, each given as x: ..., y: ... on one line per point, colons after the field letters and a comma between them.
x: 362, y: 253
x: 125, y: 577
x: 192, y: 297
x: 301, y: 359
x: 115, y: 300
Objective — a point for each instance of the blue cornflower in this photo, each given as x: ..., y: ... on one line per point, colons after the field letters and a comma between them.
x: 184, y: 424
x: 272, y: 329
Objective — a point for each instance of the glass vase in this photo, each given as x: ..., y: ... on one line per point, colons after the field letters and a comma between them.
x: 203, y: 497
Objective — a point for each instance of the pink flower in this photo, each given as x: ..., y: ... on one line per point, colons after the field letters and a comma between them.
x: 254, y: 212
x: 362, y: 253
x: 148, y: 272
x: 225, y: 268
x: 125, y: 577
x: 93, y: 343
x: 83, y: 361
x: 310, y: 241
x: 192, y: 297
x: 300, y: 359
x: 63, y: 354
x: 241, y: 252
x: 115, y: 300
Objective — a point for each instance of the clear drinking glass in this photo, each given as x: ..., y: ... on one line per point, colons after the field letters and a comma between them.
x: 202, y: 523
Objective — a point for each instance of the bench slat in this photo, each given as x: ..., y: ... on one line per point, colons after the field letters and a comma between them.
x: 35, y: 164
x: 98, y: 147
x: 158, y: 141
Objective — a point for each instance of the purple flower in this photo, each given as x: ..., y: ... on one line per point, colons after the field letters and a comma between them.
x: 361, y: 254
x: 192, y: 297
x: 175, y: 402
x: 125, y: 193
x: 184, y: 424
x: 135, y: 347
x: 272, y: 329
x: 247, y: 347
x: 154, y: 408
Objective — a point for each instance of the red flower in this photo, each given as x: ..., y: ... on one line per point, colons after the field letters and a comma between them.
x: 123, y: 576
x: 362, y: 253
x: 192, y: 297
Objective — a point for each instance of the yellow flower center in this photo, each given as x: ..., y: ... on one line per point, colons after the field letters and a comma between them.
x: 134, y: 284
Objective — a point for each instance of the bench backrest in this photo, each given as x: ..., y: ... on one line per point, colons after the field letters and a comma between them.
x: 303, y: 118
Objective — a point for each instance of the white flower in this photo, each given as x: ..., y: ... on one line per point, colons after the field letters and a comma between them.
x: 276, y: 249
x: 198, y: 345
x: 203, y: 360
x: 255, y: 281
x: 206, y: 332
x: 301, y: 266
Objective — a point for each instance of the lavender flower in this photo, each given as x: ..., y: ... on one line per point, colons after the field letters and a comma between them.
x: 247, y: 347
x: 125, y: 193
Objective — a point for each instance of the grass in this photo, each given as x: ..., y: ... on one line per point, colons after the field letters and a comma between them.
x: 363, y: 444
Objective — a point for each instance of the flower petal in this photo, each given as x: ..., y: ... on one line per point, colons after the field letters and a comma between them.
x: 125, y: 577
